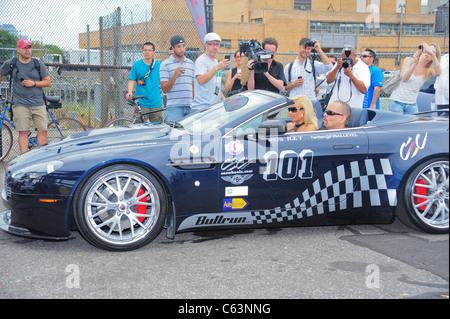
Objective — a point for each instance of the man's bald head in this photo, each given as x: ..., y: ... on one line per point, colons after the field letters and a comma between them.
x: 336, y: 116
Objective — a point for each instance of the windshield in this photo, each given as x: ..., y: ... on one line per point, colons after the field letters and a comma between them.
x: 222, y: 114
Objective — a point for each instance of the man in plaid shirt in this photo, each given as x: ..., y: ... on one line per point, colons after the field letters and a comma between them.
x: 301, y: 74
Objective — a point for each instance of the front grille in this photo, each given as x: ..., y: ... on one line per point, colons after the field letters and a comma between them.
x: 7, y: 189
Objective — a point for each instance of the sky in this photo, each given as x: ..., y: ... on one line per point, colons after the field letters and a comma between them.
x: 60, y: 22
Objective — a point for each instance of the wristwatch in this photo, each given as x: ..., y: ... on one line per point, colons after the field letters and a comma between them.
x: 293, y: 84
x: 34, y: 84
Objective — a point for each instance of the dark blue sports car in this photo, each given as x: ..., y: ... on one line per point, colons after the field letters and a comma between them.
x: 231, y: 165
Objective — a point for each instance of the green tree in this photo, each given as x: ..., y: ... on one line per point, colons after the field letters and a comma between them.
x: 7, y: 40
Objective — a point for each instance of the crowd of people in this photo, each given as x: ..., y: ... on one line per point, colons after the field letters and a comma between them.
x: 190, y: 87
x: 353, y: 80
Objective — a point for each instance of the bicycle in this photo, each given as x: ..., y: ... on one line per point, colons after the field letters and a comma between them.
x: 55, y: 128
x: 138, y: 116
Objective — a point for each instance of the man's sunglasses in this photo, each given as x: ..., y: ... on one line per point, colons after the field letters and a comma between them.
x: 366, y: 56
x: 331, y: 113
x: 295, y: 109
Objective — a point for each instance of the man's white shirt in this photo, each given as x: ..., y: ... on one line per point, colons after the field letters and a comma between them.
x: 344, y: 90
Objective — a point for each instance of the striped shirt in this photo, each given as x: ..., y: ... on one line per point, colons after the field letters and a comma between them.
x: 181, y: 92
x: 309, y: 85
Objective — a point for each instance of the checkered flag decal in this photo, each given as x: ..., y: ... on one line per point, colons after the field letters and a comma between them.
x: 332, y: 192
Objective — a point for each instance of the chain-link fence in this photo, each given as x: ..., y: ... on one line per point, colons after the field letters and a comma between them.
x: 89, y: 48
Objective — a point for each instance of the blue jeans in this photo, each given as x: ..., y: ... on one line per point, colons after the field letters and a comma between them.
x: 174, y: 113
x: 403, y: 108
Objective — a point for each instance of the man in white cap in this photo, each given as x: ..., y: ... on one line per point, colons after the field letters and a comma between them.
x: 208, y: 74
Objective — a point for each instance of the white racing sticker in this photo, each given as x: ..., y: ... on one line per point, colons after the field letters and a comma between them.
x: 236, y: 191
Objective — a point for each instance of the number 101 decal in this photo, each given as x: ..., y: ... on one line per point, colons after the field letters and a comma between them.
x: 288, y: 165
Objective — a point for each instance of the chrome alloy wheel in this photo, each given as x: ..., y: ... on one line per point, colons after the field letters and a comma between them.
x: 429, y: 195
x: 121, y: 207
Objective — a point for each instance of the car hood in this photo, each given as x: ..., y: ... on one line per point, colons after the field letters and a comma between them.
x: 125, y: 137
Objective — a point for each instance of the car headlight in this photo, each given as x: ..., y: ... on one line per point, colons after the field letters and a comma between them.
x: 37, y: 170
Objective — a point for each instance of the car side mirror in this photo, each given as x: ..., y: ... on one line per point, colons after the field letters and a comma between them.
x: 272, y: 127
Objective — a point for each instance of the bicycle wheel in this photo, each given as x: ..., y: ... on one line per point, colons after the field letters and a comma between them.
x: 67, y: 126
x: 6, y: 138
x: 123, y: 121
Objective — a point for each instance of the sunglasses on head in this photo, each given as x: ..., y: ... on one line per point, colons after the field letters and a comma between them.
x: 331, y: 113
x: 295, y: 109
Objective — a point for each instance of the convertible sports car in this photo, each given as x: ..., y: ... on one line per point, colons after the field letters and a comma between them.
x: 231, y: 165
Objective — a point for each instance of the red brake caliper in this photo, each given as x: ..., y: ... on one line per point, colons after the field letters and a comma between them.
x: 421, y: 191
x: 141, y: 209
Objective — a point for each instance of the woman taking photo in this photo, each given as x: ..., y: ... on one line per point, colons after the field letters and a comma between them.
x: 233, y: 84
x: 303, y: 116
x: 415, y: 72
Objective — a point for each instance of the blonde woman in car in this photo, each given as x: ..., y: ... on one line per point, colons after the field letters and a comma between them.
x: 302, y: 115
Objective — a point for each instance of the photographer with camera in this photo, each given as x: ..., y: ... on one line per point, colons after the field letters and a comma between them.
x: 351, y: 78
x: 302, y: 73
x: 416, y: 71
x: 265, y: 73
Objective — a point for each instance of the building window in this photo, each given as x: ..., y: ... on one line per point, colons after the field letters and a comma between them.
x: 225, y: 43
x: 362, y: 29
x: 302, y: 4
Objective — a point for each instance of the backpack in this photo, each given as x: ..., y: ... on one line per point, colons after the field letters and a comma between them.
x: 313, y: 67
x: 13, y: 67
x: 390, y: 84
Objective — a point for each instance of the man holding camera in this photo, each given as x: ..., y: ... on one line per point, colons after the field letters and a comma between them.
x: 301, y: 74
x: 177, y: 80
x: 271, y: 80
x: 351, y: 79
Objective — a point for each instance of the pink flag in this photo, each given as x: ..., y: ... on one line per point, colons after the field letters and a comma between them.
x: 198, y: 12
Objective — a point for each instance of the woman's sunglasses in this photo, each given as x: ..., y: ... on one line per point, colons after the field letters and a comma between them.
x: 331, y: 113
x: 295, y: 109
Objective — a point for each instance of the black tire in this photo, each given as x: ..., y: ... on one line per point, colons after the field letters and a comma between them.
x: 119, y: 122
x: 6, y: 140
x: 108, y: 209
x: 423, y: 198
x: 67, y: 126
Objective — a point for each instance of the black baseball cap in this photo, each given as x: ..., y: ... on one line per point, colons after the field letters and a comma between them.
x: 176, y: 39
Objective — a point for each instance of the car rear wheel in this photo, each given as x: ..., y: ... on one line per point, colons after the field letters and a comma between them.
x: 423, y: 200
x: 121, y: 207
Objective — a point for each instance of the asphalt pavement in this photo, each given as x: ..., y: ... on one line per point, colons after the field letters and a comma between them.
x: 334, y: 262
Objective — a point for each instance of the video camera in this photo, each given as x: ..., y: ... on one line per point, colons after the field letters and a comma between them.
x: 347, y: 61
x: 253, y: 51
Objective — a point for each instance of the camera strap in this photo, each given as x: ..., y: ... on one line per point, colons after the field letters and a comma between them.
x: 149, y: 71
x: 313, y: 69
x: 339, y: 87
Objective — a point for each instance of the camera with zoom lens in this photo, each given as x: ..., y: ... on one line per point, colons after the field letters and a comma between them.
x: 310, y: 43
x: 253, y: 50
x: 347, y: 61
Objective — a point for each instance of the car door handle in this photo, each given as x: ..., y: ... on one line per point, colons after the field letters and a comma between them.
x: 343, y: 147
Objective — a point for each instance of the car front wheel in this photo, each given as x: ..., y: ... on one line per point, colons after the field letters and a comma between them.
x: 423, y: 201
x: 121, y: 207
